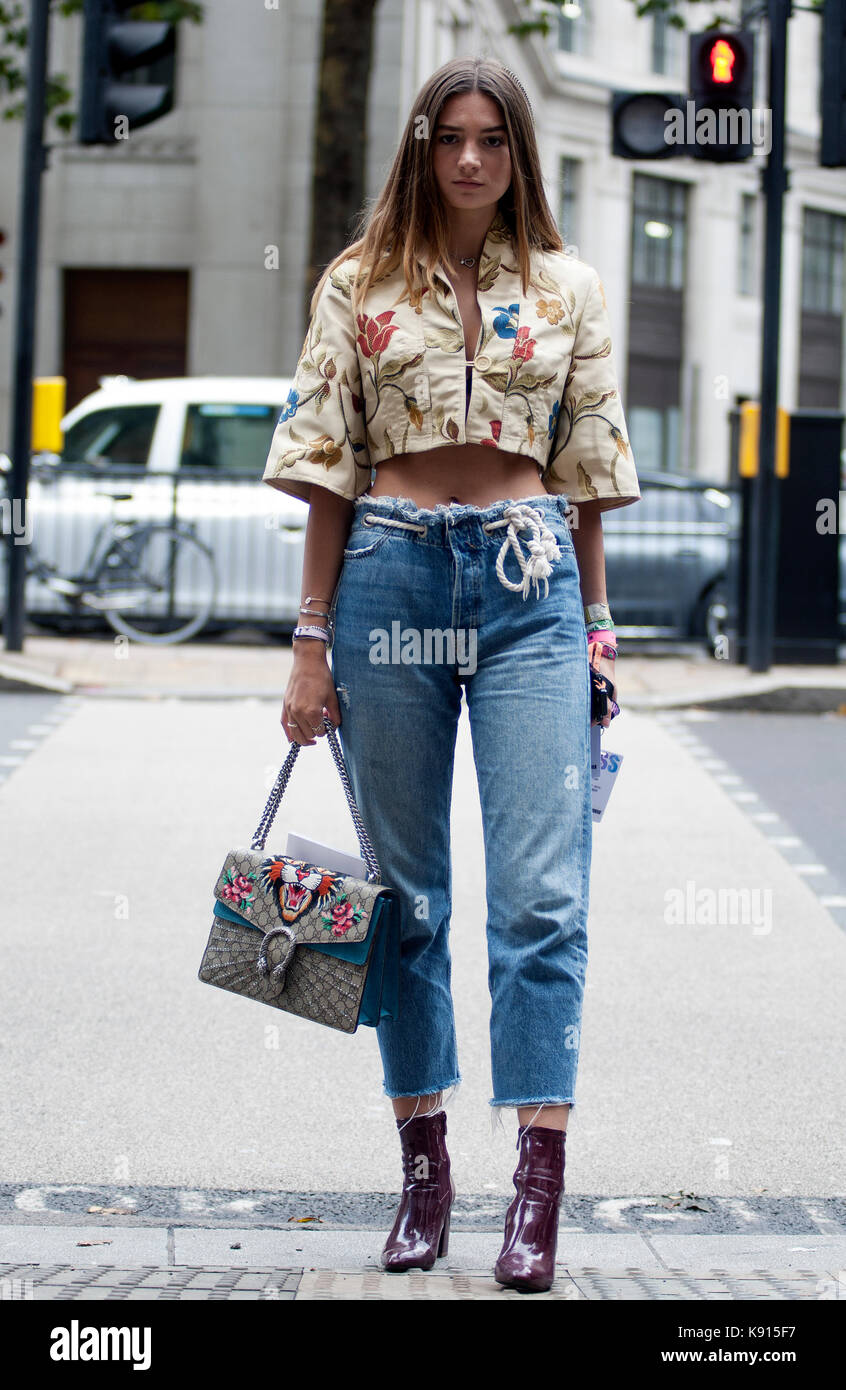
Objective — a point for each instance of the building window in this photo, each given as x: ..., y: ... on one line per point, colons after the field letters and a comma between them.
x: 654, y: 434
x: 822, y: 261
x: 667, y: 45
x: 568, y: 203
x: 574, y: 26
x: 659, y: 231
x: 748, y: 277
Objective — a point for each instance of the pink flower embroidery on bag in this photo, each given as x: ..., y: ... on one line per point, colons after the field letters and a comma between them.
x: 342, y: 916
x: 238, y: 890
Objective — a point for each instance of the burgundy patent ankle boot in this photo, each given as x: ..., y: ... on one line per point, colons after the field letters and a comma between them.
x: 527, y: 1258
x: 420, y: 1233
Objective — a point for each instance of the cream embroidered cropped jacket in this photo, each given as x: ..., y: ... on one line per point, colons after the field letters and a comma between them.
x: 392, y: 380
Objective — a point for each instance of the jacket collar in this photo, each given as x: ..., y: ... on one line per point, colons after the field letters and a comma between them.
x: 498, y: 245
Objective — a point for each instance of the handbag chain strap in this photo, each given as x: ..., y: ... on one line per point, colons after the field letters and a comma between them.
x: 374, y: 873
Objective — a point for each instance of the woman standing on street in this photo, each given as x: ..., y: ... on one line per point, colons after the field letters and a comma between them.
x: 454, y: 395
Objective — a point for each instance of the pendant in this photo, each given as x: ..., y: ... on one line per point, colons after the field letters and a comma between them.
x: 467, y: 260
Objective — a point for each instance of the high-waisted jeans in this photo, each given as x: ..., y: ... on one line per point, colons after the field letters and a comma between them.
x: 420, y: 610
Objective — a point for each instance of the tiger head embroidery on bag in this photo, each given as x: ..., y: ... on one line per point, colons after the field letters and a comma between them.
x: 294, y: 885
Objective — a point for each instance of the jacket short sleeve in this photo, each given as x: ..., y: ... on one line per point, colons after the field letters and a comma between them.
x: 320, y: 435
x: 590, y: 456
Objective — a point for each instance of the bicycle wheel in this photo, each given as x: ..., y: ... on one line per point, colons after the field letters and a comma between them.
x: 165, y: 584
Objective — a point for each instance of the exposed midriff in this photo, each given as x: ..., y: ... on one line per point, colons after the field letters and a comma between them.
x: 474, y: 474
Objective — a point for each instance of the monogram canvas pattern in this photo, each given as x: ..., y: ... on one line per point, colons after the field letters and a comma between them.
x: 270, y: 889
x: 314, y: 904
x: 318, y: 987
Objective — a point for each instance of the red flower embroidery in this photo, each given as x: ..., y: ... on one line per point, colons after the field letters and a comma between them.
x: 496, y: 431
x: 524, y: 346
x: 237, y: 890
x: 375, y: 334
x: 341, y: 915
x: 342, y: 918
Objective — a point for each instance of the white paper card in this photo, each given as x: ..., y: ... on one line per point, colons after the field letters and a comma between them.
x: 595, y: 746
x: 313, y: 852
x: 603, y: 775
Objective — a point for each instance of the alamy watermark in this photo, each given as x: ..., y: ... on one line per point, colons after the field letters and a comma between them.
x: 741, y: 125
x: 15, y: 520
x: 413, y: 646
x: 719, y: 907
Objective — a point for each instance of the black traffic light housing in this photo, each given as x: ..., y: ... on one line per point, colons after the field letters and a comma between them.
x: 721, y: 78
x: 833, y: 85
x: 113, y: 46
x: 639, y: 124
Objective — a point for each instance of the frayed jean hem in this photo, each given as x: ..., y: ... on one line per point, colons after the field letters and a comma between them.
x: 498, y: 1105
x: 451, y: 1086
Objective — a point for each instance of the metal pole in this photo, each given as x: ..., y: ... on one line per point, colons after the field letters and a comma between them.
x: 763, y: 534
x: 33, y: 163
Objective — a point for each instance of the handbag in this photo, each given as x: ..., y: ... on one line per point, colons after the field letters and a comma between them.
x: 302, y: 937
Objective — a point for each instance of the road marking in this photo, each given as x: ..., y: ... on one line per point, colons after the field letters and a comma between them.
x: 785, y: 841
x: 833, y: 900
x: 809, y: 868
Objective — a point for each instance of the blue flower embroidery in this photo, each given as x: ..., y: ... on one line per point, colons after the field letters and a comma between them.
x: 503, y: 325
x: 290, y: 407
x: 553, y: 419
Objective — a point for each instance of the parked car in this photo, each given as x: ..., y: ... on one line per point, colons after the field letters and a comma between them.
x: 666, y: 558
x: 194, y: 448
x: 190, y: 449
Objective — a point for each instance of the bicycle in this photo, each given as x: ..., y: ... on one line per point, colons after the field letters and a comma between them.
x: 160, y: 567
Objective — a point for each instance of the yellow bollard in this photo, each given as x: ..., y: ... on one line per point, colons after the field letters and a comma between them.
x: 48, y: 407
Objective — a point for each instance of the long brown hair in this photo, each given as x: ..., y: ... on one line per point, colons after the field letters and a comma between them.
x: 407, y: 223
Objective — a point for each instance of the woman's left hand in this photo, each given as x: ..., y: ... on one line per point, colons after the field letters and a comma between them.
x: 606, y: 667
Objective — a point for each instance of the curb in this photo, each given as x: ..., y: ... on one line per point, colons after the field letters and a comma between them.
x: 21, y: 678
x: 774, y: 699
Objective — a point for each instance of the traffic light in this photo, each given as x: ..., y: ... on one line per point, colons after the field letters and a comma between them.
x: 640, y: 126
x: 112, y: 47
x: 833, y: 84
x: 722, y: 88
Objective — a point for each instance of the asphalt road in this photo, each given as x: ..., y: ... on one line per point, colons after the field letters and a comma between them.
x: 797, y: 765
x: 712, y: 1056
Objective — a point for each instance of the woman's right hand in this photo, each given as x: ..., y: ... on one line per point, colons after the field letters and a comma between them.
x: 310, y: 691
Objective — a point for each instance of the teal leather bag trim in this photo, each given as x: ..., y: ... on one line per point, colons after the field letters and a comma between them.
x: 383, y: 975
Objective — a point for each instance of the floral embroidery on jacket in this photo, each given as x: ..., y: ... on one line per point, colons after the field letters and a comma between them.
x: 390, y: 379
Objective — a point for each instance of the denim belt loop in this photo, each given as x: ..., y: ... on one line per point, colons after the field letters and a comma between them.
x: 542, y: 545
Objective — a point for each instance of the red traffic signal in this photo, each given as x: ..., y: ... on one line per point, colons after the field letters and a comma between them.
x: 722, y: 57
x: 722, y: 79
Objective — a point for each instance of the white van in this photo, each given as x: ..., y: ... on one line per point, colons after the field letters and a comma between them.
x: 188, y: 448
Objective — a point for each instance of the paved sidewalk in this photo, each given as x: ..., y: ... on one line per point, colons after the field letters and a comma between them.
x: 258, y: 666
x: 212, y: 1263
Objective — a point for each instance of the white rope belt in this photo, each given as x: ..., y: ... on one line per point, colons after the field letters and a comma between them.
x: 542, y: 545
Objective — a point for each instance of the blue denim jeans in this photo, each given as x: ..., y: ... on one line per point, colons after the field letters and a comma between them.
x: 523, y: 663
